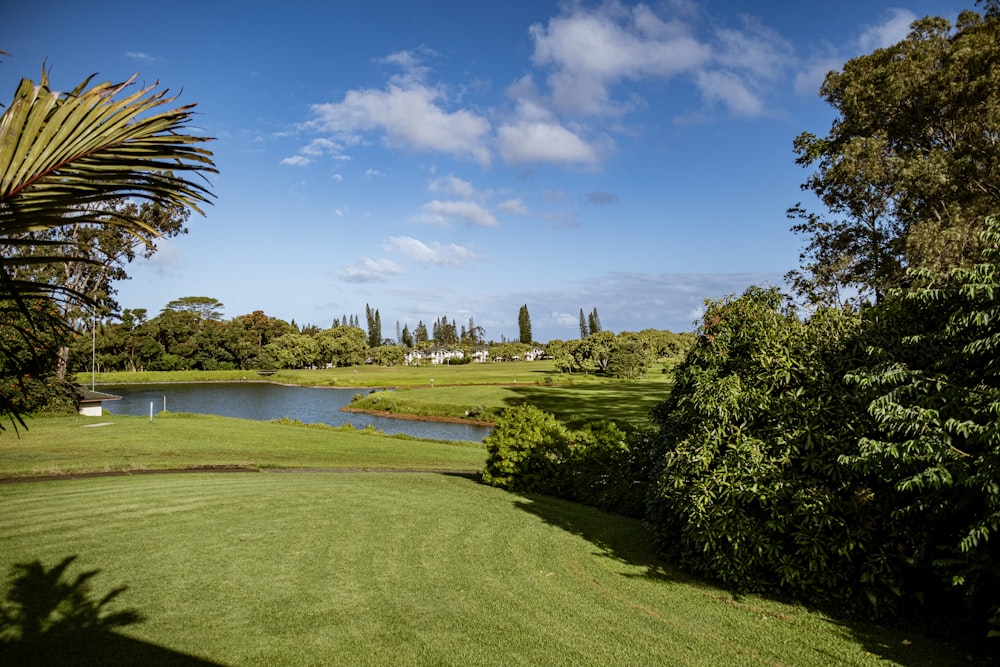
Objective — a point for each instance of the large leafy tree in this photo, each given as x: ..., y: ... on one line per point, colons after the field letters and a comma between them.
x: 66, y: 159
x: 911, y: 165
x: 108, y: 249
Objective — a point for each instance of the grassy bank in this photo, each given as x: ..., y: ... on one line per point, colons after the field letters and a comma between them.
x: 75, y: 444
x: 573, y: 404
x: 415, y: 569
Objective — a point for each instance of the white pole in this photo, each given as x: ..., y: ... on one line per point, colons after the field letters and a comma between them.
x: 150, y: 412
x: 164, y: 402
x: 93, y: 352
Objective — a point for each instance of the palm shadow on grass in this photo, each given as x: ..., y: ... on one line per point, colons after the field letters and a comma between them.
x: 620, y: 538
x: 48, y: 618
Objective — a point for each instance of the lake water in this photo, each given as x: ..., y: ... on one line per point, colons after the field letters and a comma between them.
x: 264, y: 401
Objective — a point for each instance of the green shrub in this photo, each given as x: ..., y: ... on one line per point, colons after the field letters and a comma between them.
x: 600, y: 465
x: 524, y: 449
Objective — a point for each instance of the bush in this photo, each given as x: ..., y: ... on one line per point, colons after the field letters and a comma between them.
x: 599, y: 465
x: 524, y: 449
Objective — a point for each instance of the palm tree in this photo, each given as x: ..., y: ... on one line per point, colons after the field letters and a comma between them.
x: 64, y: 157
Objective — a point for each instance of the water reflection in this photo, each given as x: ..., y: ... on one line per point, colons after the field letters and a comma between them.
x: 263, y: 401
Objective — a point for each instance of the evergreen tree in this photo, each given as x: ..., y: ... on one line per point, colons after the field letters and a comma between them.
x: 406, y: 338
x: 524, y: 325
x: 583, y: 325
x: 594, y: 321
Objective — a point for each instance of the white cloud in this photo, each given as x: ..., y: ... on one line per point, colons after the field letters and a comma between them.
x: 455, y: 187
x: 543, y: 141
x: 296, y: 161
x: 368, y: 270
x: 894, y: 28
x: 590, y: 50
x: 444, y: 212
x: 143, y: 56
x: 433, y: 254
x: 410, y: 116
x: 731, y: 90
x: 373, y: 173
x: 514, y: 207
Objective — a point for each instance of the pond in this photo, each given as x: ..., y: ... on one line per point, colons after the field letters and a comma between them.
x: 263, y: 401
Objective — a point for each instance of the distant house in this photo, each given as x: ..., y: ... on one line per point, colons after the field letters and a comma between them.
x: 91, y: 403
x: 442, y: 354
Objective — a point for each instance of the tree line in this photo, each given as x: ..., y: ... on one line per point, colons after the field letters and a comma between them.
x: 190, y: 334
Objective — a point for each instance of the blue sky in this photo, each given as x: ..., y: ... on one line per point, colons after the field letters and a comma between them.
x: 464, y: 158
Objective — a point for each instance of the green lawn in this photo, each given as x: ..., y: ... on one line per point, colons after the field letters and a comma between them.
x: 68, y: 444
x: 574, y: 404
x: 398, y: 569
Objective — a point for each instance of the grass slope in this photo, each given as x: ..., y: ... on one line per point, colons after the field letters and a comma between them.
x: 402, y: 568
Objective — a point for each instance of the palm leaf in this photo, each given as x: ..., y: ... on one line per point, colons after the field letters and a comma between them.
x: 65, y: 156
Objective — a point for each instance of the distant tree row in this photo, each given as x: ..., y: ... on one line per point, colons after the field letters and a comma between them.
x: 191, y: 334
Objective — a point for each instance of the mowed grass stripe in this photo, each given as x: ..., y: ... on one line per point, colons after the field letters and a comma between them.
x: 362, y: 568
x: 57, y: 445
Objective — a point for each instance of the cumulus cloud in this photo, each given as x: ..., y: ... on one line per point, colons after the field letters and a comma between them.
x: 591, y: 49
x: 409, y: 113
x: 368, y: 270
x: 434, y: 254
x: 445, y: 212
x: 591, y: 53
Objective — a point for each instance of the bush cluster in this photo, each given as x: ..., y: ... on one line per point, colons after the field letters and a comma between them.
x: 600, y: 465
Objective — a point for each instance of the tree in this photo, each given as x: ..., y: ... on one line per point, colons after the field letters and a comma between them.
x: 420, y: 333
x: 342, y: 346
x: 911, y: 165
x: 594, y: 322
x: 108, y: 248
x: 202, y: 307
x: 524, y: 325
x: 584, y: 330
x: 407, y: 338
x: 374, y: 324
x: 65, y: 157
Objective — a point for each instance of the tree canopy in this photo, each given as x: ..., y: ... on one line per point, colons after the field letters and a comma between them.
x: 911, y: 165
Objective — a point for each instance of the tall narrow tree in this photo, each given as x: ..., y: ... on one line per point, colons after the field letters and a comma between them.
x: 524, y: 325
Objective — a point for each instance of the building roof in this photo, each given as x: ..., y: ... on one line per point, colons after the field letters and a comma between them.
x: 90, y: 396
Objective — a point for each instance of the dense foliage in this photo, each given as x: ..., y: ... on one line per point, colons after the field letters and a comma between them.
x: 911, y: 164
x: 845, y: 458
x: 600, y: 465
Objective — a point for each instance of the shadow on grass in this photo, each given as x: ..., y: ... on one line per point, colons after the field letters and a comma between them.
x: 575, y: 405
x: 617, y: 537
x: 625, y: 539
x: 46, y: 619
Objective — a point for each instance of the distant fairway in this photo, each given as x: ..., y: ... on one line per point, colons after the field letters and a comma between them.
x: 310, y: 568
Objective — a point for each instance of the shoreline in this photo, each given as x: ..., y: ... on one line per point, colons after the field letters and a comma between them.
x: 346, y: 408
x: 423, y: 418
